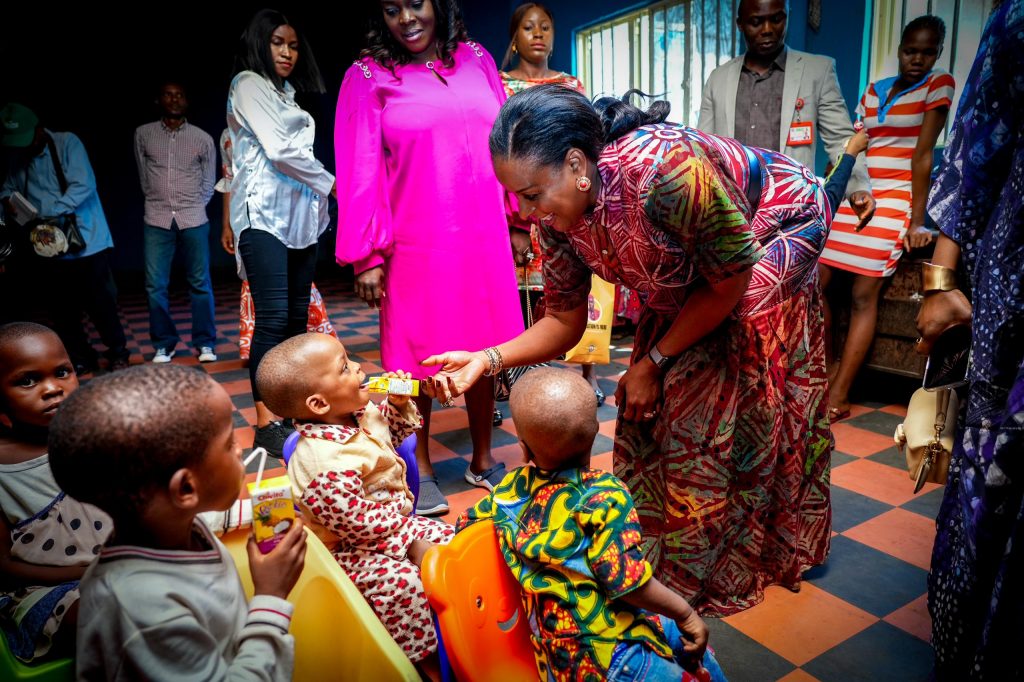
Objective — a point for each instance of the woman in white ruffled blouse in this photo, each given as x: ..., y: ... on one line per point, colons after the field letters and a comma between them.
x: 279, y: 192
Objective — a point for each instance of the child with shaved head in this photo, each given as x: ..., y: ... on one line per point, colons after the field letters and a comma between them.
x: 153, y: 446
x: 351, y: 483
x: 571, y: 537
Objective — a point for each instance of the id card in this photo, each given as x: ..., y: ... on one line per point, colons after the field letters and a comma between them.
x: 801, y: 133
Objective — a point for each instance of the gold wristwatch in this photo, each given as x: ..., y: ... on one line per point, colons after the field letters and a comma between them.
x: 937, y: 278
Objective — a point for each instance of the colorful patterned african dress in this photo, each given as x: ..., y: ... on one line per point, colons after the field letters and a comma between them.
x: 572, y: 540
x: 731, y: 481
x: 976, y: 583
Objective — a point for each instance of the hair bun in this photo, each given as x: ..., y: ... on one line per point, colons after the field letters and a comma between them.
x: 620, y: 117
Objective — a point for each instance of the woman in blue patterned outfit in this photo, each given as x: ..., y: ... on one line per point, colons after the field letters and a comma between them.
x: 976, y: 584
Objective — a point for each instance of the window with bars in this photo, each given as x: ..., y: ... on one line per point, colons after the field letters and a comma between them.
x: 667, y: 49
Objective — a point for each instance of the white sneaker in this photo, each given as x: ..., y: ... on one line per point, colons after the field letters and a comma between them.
x: 162, y: 355
x: 206, y: 354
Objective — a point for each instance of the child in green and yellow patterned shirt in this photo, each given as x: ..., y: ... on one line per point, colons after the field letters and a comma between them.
x: 571, y: 536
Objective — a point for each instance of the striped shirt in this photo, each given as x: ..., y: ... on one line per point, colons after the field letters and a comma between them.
x: 893, y: 131
x: 176, y: 169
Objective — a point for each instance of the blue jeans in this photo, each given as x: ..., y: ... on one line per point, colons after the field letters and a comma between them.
x: 633, y: 661
x: 160, y: 245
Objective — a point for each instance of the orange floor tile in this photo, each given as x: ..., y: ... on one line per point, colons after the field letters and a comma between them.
x: 869, y: 596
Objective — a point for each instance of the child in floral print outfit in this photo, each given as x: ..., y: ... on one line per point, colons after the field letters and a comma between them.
x: 350, y: 482
x: 571, y: 536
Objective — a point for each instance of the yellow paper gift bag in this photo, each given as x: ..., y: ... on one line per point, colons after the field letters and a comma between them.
x: 593, y: 347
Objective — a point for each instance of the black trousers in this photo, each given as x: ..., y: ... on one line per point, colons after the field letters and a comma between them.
x: 279, y: 280
x: 73, y: 286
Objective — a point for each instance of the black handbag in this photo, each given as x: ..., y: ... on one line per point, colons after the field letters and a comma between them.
x: 507, y: 377
x: 56, y: 236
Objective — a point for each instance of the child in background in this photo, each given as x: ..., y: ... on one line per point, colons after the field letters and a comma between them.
x: 153, y: 446
x: 571, y: 536
x: 46, y: 538
x: 839, y: 176
x: 351, y: 483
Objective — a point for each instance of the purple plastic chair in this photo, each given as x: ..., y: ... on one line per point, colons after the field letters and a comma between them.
x: 289, y: 446
x: 407, y: 451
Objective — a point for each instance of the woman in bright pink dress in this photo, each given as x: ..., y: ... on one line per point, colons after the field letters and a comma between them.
x: 421, y: 216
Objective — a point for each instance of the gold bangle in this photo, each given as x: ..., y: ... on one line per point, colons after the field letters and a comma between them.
x: 937, y: 278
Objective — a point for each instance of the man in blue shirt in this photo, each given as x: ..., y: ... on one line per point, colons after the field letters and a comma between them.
x: 71, y: 283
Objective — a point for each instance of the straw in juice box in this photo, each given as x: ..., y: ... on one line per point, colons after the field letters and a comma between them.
x: 273, y: 511
x: 393, y: 386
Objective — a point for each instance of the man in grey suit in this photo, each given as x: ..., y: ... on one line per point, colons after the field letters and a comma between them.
x: 781, y: 99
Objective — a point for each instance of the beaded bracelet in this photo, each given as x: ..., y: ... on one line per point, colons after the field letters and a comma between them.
x: 490, y: 362
x: 495, y: 361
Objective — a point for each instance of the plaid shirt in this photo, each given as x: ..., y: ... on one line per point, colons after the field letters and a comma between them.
x: 759, y: 105
x: 176, y: 169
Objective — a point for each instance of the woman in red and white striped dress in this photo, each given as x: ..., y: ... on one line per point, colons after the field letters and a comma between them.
x: 903, y: 116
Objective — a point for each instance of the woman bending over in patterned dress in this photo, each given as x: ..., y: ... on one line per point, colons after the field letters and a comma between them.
x: 722, y: 434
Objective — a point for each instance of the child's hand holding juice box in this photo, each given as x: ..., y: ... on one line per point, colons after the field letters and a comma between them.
x: 273, y: 511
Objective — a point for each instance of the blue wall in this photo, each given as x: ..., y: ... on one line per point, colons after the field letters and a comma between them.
x: 487, y: 23
x: 841, y: 37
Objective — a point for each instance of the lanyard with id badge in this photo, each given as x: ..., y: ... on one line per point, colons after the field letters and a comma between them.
x: 801, y: 133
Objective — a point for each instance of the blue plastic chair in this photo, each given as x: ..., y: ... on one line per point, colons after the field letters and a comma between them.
x: 407, y: 451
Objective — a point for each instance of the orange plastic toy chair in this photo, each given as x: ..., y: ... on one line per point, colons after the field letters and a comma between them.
x: 479, y: 608
x: 337, y: 634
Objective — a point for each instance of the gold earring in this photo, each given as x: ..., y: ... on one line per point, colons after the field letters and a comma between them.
x: 583, y: 183
x: 515, y: 50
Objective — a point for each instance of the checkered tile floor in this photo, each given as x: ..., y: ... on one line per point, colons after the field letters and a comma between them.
x: 862, y: 616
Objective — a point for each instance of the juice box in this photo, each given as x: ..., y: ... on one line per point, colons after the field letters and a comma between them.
x: 394, y: 386
x: 273, y: 511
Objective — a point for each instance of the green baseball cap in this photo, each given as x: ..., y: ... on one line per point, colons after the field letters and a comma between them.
x: 17, y: 125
